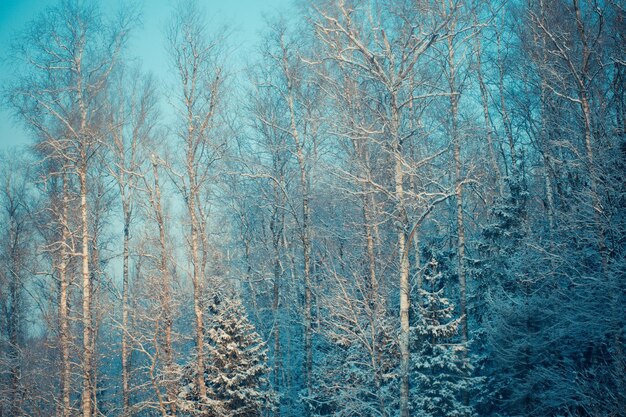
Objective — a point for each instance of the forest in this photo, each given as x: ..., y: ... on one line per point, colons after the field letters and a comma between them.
x: 397, y: 208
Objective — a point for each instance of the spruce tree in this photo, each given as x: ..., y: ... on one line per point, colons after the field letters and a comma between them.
x: 236, y: 367
x: 441, y: 373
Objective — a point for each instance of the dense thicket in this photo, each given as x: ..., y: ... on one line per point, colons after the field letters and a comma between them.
x: 400, y: 208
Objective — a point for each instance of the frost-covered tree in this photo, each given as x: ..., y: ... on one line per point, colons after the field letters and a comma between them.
x: 441, y: 373
x: 375, y: 136
x: 236, y: 369
x: 356, y: 369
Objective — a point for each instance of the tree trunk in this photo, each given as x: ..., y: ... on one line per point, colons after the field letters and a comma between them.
x: 166, y: 299
x: 458, y: 191
x: 277, y: 351
x: 276, y: 242
x: 458, y: 187
x: 458, y: 177
x: 64, y: 331
x: 197, y: 291
x: 125, y: 329
x: 306, y: 248
x: 87, y: 323
x: 404, y: 267
x: 305, y: 232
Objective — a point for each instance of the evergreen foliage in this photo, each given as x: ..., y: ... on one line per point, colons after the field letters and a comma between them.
x: 236, y: 367
x: 442, y: 371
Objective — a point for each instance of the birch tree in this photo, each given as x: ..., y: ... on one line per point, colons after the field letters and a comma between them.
x: 197, y: 60
x: 388, y: 57
x: 132, y: 121
x: 69, y: 54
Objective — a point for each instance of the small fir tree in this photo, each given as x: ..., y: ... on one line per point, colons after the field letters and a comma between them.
x: 236, y: 367
x: 440, y: 370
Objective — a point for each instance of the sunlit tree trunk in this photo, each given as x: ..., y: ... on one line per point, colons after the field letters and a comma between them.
x: 64, y: 299
x: 86, y: 286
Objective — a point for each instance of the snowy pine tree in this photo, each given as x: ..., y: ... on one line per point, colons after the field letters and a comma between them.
x: 236, y: 367
x: 440, y: 371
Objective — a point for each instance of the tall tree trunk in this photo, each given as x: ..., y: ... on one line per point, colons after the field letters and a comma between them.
x: 458, y: 182
x: 280, y: 245
x: 374, y: 295
x: 368, y: 204
x: 197, y: 290
x: 404, y: 267
x: 64, y: 331
x: 87, y: 320
x: 305, y: 227
x: 166, y: 299
x: 125, y: 322
x: 582, y: 79
x: 306, y: 248
x: 458, y: 187
x: 276, y: 230
x: 452, y: 64
x: 404, y: 304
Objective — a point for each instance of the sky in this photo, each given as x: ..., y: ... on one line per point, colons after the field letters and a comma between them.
x: 246, y: 18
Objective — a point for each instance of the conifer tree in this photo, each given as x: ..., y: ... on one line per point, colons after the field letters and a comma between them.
x: 236, y: 369
x: 441, y: 373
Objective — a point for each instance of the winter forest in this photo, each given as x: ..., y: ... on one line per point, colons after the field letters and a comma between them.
x: 397, y: 208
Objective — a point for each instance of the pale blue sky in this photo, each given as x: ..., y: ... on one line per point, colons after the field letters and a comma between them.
x: 245, y: 18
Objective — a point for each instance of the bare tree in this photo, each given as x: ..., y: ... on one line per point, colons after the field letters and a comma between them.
x: 387, y: 161
x: 132, y: 122
x: 390, y: 59
x: 198, y: 61
x: 68, y: 54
